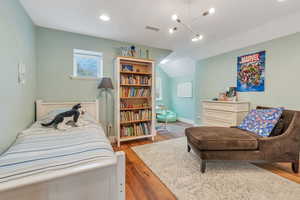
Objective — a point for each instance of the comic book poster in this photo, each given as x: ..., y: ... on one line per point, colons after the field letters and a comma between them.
x: 251, y: 72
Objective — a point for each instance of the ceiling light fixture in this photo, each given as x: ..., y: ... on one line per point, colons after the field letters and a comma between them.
x: 197, y: 38
x: 281, y: 1
x: 104, y: 17
x: 211, y: 11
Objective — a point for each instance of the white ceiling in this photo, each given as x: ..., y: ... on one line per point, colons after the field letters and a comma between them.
x: 236, y: 23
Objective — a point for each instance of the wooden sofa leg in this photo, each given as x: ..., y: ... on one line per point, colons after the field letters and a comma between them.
x: 203, y: 166
x: 295, y: 166
x: 188, y: 148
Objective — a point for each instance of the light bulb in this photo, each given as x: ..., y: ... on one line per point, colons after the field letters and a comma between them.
x: 172, y: 30
x: 212, y: 11
x: 197, y: 38
x: 104, y: 17
x: 174, y: 17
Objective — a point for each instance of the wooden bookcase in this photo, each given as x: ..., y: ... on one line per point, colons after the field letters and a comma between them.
x: 135, y: 99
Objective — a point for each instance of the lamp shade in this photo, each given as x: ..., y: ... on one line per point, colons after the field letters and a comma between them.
x: 106, y: 83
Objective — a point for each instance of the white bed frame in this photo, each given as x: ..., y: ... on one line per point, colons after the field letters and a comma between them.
x: 103, y: 180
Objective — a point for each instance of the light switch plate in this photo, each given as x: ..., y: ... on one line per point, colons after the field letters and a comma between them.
x: 21, y: 73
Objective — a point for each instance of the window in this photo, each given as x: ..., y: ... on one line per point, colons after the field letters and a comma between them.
x: 185, y: 90
x: 87, y: 64
x: 158, y: 88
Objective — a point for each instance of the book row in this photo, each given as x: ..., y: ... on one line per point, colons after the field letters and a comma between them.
x: 127, y: 116
x: 135, y: 92
x: 136, y: 130
x: 125, y: 104
x: 136, y: 79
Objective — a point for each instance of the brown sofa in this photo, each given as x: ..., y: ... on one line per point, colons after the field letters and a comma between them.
x: 218, y: 143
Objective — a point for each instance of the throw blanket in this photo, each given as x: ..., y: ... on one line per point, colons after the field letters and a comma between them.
x: 39, y: 150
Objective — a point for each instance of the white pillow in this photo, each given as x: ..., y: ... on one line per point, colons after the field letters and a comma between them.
x: 50, y: 115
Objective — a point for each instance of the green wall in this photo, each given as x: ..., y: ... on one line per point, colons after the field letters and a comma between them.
x: 17, y: 39
x: 282, y: 74
x: 55, y: 65
x: 166, y: 87
x: 184, y: 107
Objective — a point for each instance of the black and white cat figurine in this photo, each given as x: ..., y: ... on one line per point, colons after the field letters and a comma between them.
x: 74, y: 112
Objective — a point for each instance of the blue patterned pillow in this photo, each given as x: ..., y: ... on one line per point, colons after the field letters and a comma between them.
x: 261, y: 121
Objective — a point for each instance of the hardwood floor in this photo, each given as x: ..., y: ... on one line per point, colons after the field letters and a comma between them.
x: 281, y: 169
x: 143, y: 184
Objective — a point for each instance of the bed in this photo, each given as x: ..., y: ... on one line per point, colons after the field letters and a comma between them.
x: 70, y: 164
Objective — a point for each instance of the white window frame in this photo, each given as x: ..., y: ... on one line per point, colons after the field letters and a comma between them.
x: 159, y: 85
x: 87, y: 54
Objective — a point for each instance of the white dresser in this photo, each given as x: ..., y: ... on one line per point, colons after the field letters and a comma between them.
x: 224, y: 113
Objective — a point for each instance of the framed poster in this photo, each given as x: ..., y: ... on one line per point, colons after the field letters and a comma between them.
x: 185, y: 90
x: 251, y: 72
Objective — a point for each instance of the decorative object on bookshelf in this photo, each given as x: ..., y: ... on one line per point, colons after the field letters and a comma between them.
x: 135, y: 102
x: 106, y: 85
x: 134, y: 52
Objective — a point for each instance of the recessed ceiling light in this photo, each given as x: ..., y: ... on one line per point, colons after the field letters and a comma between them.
x: 280, y: 1
x: 104, y: 17
x: 174, y: 17
x: 197, y: 38
x: 164, y: 61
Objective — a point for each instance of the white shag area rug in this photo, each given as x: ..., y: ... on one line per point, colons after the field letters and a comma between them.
x: 223, y: 180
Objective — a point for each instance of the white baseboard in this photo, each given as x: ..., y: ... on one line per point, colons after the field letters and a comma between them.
x: 189, y: 121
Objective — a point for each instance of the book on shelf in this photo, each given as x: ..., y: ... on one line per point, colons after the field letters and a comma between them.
x: 135, y: 80
x: 127, y: 116
x: 136, y: 130
x: 128, y: 105
x: 134, y: 92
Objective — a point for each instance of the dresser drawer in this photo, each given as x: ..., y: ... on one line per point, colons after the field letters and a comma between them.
x: 234, y: 118
x: 225, y: 106
x: 224, y: 114
x: 218, y: 123
x: 220, y: 115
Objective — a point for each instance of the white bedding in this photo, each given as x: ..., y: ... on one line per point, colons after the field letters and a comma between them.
x: 40, y: 150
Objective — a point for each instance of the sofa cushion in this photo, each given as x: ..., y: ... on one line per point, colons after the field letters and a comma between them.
x: 261, y: 121
x: 220, y: 138
x: 278, y: 129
